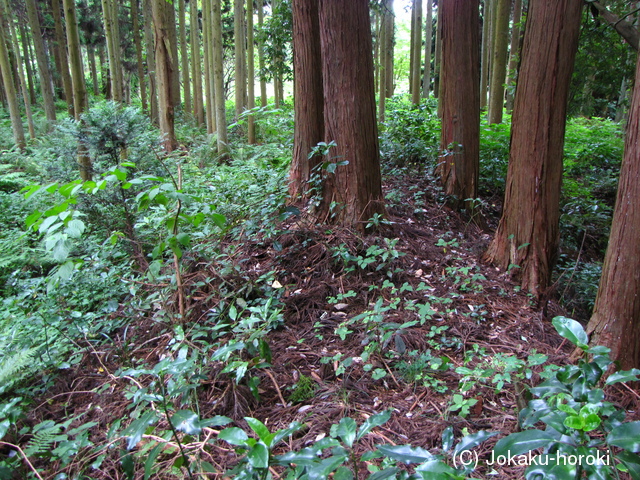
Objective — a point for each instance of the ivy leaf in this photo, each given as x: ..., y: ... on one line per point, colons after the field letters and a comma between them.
x: 572, y: 331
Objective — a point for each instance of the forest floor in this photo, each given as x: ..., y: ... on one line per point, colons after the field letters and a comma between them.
x: 427, y: 270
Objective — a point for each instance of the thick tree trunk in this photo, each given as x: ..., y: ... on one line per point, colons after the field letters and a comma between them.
x: 9, y: 85
x: 615, y: 322
x: 390, y: 46
x: 353, y: 194
x: 416, y: 47
x: 138, y: 44
x: 165, y: 68
x: 309, y: 101
x: 527, y: 235
x: 499, y: 63
x: 172, y: 37
x: 218, y: 82
x: 61, y: 46
x: 43, y: 63
x: 460, y: 99
x: 514, y: 55
x: 428, y: 30
x: 196, y: 69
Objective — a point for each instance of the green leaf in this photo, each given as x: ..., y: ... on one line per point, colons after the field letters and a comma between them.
x: 372, y: 422
x: 137, y: 428
x: 322, y: 470
x: 4, y: 427
x: 260, y: 429
x: 379, y: 373
x: 151, y: 460
x: 523, y: 442
x: 346, y: 430
x: 75, y: 228
x: 471, y: 441
x: 61, y: 249
x: 186, y: 421
x: 128, y: 466
x: 436, y: 470
x: 234, y: 436
x: 447, y: 438
x: 258, y: 456
x: 219, y: 220
x: 591, y: 422
x: 626, y: 436
x: 632, y: 462
x: 384, y: 474
x: 551, y: 471
x: 343, y: 473
x: 406, y: 453
x: 572, y: 331
x: 574, y: 421
x: 626, y: 376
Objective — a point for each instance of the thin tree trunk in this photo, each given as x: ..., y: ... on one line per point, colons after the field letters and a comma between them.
x: 487, y: 18
x: 208, y: 31
x: 43, y: 63
x: 382, y: 87
x: 499, y: 64
x: 77, y: 78
x: 428, y: 30
x: 138, y: 44
x: 61, y: 46
x: 240, y: 65
x: 151, y: 63
x: 184, y: 58
x: 218, y: 81
x: 527, y: 235
x: 263, y: 83
x: 309, y: 100
x: 416, y: 92
x: 109, y: 12
x: 91, y: 56
x: 251, y: 77
x: 437, y: 60
x: 9, y: 85
x: 460, y: 99
x: 514, y: 54
x: 23, y: 83
x: 196, y: 69
x: 172, y: 38
x: 26, y: 54
x: 391, y: 40
x: 615, y: 322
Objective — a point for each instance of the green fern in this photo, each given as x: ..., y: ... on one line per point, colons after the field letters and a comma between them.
x: 12, y: 367
x: 45, y: 434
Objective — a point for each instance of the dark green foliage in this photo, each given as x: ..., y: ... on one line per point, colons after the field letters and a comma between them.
x: 410, y: 134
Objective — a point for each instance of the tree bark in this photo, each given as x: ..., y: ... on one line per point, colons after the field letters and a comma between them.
x: 218, y: 82
x: 138, y: 45
x: 615, y: 322
x: 309, y: 100
x: 263, y: 83
x: 43, y: 63
x: 110, y: 12
x: 486, y: 51
x: 251, y: 77
x: 61, y: 46
x: 26, y: 54
x: 77, y: 79
x: 209, y: 31
x: 458, y: 167
x: 624, y: 28
x: 437, y: 60
x: 9, y: 85
x: 151, y: 63
x: 240, y: 57
x: 196, y: 68
x: 527, y: 235
x: 416, y: 47
x: 184, y: 57
x: 499, y: 63
x: 165, y: 68
x: 426, y: 78
x: 353, y: 194
x: 514, y: 55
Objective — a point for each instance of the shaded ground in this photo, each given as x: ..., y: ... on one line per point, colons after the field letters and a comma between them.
x: 430, y: 259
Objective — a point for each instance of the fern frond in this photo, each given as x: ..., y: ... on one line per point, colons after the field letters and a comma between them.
x: 12, y: 365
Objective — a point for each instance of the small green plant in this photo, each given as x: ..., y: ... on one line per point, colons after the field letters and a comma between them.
x: 304, y: 389
x: 461, y: 405
x: 579, y: 422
